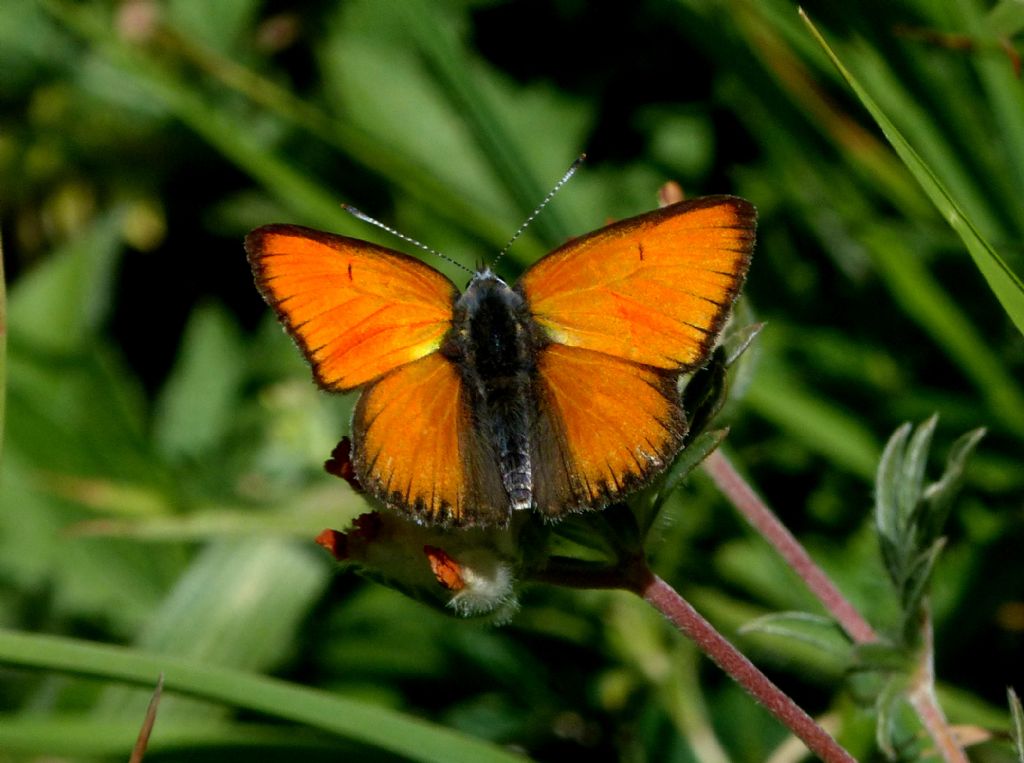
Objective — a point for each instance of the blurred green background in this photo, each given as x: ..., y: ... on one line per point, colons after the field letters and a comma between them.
x: 161, y: 477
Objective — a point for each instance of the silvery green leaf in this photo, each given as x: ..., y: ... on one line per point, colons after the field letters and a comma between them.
x: 817, y: 630
x: 940, y: 494
x: 1017, y: 727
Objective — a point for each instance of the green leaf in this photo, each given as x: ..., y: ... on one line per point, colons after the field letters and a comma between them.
x: 817, y: 630
x: 1006, y: 18
x: 887, y: 709
x: 219, y: 24
x: 909, y: 516
x: 1001, y: 84
x: 940, y: 494
x: 823, y: 427
x: 942, y: 316
x: 690, y: 458
x: 882, y: 657
x: 911, y: 482
x: 361, y: 721
x: 61, y: 304
x: 888, y: 492
x: 737, y: 342
x: 1005, y: 284
x: 915, y: 583
x: 475, y: 102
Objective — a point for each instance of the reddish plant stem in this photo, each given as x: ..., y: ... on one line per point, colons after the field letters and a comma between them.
x: 763, y: 519
x: 142, y: 742
x: 635, y: 576
x: 666, y: 600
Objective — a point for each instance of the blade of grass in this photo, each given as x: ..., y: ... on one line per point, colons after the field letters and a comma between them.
x: 220, y: 522
x: 3, y: 347
x: 77, y: 737
x: 933, y: 147
x: 1002, y: 87
x: 1005, y: 284
x: 217, y: 613
x: 820, y: 426
x: 771, y: 37
x: 380, y: 727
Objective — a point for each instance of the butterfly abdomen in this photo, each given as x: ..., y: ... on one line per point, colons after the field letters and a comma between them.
x: 492, y: 335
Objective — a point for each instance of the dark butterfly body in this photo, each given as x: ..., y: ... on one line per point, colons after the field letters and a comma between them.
x: 494, y: 343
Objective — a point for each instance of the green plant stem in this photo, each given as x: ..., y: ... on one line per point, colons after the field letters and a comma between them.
x: 925, y: 703
x: 768, y: 526
x: 635, y: 576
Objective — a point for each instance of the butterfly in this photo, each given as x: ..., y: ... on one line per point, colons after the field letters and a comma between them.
x: 556, y: 394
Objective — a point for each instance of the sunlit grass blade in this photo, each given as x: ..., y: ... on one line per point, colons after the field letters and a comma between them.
x: 77, y: 737
x: 818, y: 425
x: 3, y: 346
x: 376, y: 726
x: 1001, y: 279
x: 222, y: 522
x: 217, y: 613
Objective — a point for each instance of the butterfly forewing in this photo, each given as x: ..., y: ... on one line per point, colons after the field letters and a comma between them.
x: 654, y: 289
x: 356, y: 310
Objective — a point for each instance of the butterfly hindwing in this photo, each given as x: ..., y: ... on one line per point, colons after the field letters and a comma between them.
x: 356, y: 310
x: 654, y: 289
x: 604, y: 427
x: 417, y: 449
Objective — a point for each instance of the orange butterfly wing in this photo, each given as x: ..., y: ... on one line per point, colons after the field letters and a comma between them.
x: 419, y: 451
x: 366, y: 316
x: 654, y: 289
x: 628, y: 309
x: 356, y: 310
x: 606, y: 426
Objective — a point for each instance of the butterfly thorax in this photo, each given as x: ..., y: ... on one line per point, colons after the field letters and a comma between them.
x: 493, y: 337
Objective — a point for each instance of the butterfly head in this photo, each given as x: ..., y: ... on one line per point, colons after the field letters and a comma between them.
x: 484, y: 275
x: 486, y: 295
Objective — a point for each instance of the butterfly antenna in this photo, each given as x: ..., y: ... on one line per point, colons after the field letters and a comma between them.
x: 366, y: 218
x: 533, y: 215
